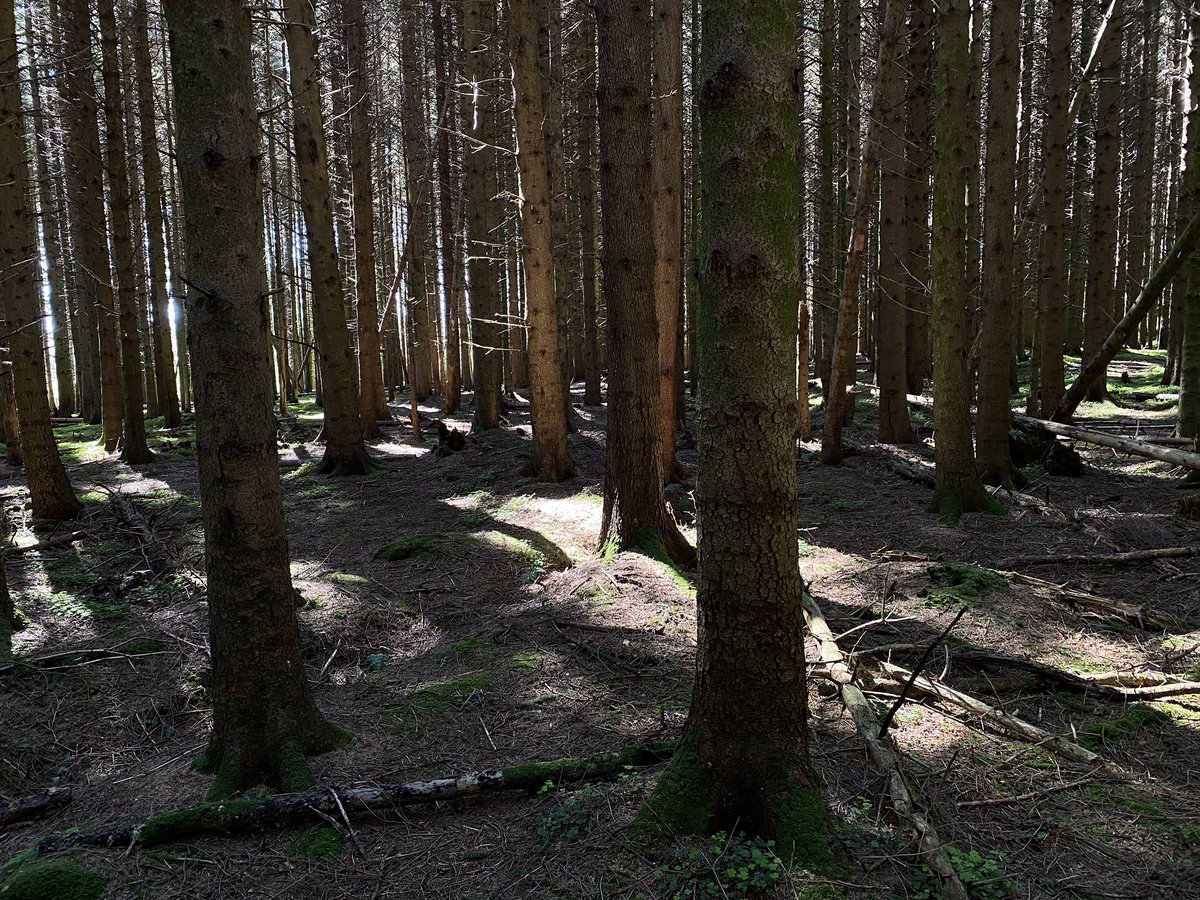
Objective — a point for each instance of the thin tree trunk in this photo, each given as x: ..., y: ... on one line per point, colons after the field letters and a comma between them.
x: 918, y: 142
x: 585, y: 190
x: 1189, y: 370
x: 443, y: 74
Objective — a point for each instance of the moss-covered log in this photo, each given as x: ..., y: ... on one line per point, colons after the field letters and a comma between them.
x: 235, y: 816
x: 33, y: 806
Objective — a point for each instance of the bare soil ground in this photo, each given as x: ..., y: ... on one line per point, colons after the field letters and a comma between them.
x: 503, y: 638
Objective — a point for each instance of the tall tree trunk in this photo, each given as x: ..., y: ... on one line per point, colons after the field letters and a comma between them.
x: 743, y: 760
x: 1189, y: 199
x: 635, y: 510
x: 345, y: 453
x: 134, y: 448
x: 1139, y: 246
x: 999, y: 229
x: 895, y: 426
x: 846, y: 344
x: 443, y: 74
x: 958, y: 487
x: 264, y: 719
x: 483, y: 216
x: 585, y: 191
x: 93, y: 279
x: 372, y: 402
x: 667, y: 210
x: 825, y: 271
x: 551, y: 459
x: 918, y: 142
x: 1055, y: 145
x: 20, y: 302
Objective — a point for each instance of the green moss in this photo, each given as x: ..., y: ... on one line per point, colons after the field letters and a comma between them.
x: 348, y: 580
x: 412, y: 545
x: 52, y: 879
x: 321, y: 842
x: 1104, y: 735
x: 534, y: 776
x: 955, y: 584
x: 9, y: 868
x: 438, y: 696
x: 176, y: 824
x: 528, y: 660
x: 681, y: 803
x: 800, y: 837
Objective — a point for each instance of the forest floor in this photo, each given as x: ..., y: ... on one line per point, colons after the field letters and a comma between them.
x: 498, y: 636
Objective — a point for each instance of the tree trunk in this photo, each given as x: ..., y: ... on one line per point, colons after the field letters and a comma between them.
x: 585, y: 191
x: 958, y: 487
x: 134, y: 448
x: 372, y: 402
x: 825, y: 271
x: 483, y: 217
x: 93, y: 278
x: 992, y: 455
x: 264, y: 719
x: 667, y: 210
x: 635, y: 510
x: 743, y: 761
x: 443, y: 74
x: 345, y: 453
x: 846, y: 343
x: 1189, y: 369
x: 551, y: 459
x: 918, y: 142
x: 1055, y: 144
x: 20, y: 300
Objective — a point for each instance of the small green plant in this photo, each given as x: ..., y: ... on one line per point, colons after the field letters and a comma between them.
x: 956, y: 584
x: 1106, y: 735
x: 982, y: 875
x: 723, y: 867
x: 571, y: 813
x: 411, y: 545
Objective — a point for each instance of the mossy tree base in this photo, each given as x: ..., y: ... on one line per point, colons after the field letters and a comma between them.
x: 349, y: 461
x: 781, y: 805
x: 280, y: 764
x: 951, y: 501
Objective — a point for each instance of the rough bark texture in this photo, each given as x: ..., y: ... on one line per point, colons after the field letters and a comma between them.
x: 92, y: 274
x: 547, y: 398
x: 345, y: 453
x: 264, y: 717
x: 845, y: 344
x: 419, y: 326
x: 20, y: 303
x: 483, y: 218
x: 635, y: 510
x: 443, y: 74
x: 134, y: 448
x: 743, y: 761
x: 372, y: 401
x: 995, y: 356
x: 586, y: 193
x: 958, y: 487
x: 918, y: 143
x: 1100, y: 295
x: 1055, y: 145
x: 667, y: 193
x: 895, y: 425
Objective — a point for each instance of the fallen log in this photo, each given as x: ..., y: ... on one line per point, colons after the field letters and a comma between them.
x: 1141, y: 616
x: 58, y: 540
x: 895, y: 676
x: 1110, y: 559
x: 155, y: 552
x: 883, y: 755
x: 34, y: 806
x: 234, y: 816
x: 1124, y: 444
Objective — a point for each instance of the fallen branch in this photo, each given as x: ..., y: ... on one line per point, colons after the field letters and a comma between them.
x: 234, y: 816
x: 1126, y: 445
x: 58, y: 540
x: 884, y: 757
x: 153, y: 549
x: 1110, y: 559
x: 1015, y: 727
x: 34, y: 806
x: 1141, y: 616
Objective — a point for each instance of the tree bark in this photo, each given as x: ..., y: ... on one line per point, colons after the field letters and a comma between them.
x: 635, y: 511
x: 264, y: 719
x: 743, y: 760
x: 585, y: 190
x: 20, y: 301
x: 1189, y: 368
x: 443, y: 73
x: 550, y: 459
x: 345, y: 453
x: 918, y: 143
x: 992, y: 454
x: 958, y: 487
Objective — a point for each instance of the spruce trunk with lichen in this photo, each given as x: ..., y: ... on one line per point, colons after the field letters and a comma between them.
x: 743, y: 761
x: 958, y: 487
x: 635, y: 510
x: 264, y: 719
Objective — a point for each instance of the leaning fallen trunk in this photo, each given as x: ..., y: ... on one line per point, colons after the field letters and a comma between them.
x: 1127, y: 445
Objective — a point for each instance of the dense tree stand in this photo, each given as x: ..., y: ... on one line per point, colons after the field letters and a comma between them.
x: 264, y: 719
x: 743, y: 761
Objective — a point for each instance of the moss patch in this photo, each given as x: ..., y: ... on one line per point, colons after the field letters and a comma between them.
x: 321, y: 842
x: 412, y: 545
x: 347, y: 580
x: 681, y: 801
x: 957, y: 584
x: 51, y: 879
x: 1105, y: 735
